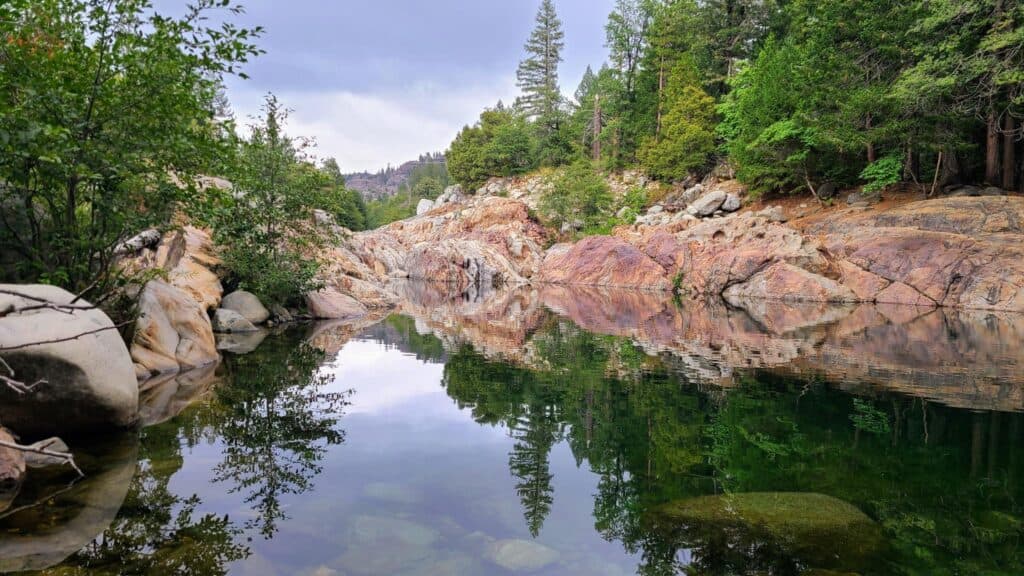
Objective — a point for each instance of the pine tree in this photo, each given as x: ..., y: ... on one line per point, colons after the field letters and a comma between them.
x: 537, y: 75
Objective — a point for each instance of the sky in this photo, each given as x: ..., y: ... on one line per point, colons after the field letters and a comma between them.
x: 379, y: 82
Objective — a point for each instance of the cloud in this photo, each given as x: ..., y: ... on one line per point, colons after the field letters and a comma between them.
x: 367, y: 131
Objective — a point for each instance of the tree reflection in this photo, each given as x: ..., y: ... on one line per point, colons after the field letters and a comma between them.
x: 939, y: 483
x: 273, y: 419
x: 276, y: 421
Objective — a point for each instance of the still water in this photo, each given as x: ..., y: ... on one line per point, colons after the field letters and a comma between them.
x: 562, y: 432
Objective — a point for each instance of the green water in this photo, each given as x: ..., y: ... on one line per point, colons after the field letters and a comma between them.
x: 465, y: 437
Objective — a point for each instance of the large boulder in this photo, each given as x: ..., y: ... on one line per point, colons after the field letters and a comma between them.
x: 247, y: 305
x: 707, y: 204
x: 173, y: 332
x: 820, y: 531
x: 89, y: 379
x: 329, y: 304
x: 425, y: 205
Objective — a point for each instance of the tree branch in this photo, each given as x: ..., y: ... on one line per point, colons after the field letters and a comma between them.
x: 67, y: 457
x: 65, y: 339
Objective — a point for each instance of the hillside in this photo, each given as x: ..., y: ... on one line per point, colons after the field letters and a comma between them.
x: 385, y: 183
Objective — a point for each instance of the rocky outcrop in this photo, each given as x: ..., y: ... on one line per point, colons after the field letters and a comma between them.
x: 173, y: 332
x: 954, y: 252
x: 485, y: 239
x: 188, y: 258
x: 963, y: 252
x: 88, y: 380
x: 329, y: 304
x: 603, y: 261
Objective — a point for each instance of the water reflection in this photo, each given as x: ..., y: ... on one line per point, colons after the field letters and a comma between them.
x: 558, y: 431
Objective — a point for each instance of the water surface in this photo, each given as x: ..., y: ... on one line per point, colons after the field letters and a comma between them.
x: 562, y: 432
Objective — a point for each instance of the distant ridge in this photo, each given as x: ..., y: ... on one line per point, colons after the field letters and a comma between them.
x: 386, y: 182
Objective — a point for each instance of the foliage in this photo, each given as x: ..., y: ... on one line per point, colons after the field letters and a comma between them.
x: 882, y: 173
x: 106, y: 113
x: 266, y: 223
x: 577, y: 195
x: 502, y: 143
x: 869, y: 419
x: 688, y: 137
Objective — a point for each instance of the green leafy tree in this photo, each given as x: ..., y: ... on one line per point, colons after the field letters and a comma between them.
x: 106, y: 107
x: 267, y: 222
x: 500, y: 144
x: 687, y: 137
x: 429, y: 188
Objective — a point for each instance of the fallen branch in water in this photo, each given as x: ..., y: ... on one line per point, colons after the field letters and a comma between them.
x: 65, y: 457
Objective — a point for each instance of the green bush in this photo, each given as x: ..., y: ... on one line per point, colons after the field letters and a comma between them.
x: 578, y: 193
x: 882, y: 173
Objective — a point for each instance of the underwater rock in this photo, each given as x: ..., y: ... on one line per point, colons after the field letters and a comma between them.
x: 819, y: 530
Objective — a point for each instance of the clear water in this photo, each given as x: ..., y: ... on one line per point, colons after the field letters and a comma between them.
x: 562, y: 432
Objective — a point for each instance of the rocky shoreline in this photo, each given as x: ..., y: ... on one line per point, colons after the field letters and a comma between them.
x: 749, y: 279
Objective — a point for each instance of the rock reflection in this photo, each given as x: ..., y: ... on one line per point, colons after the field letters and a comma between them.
x: 674, y: 405
x: 51, y: 520
x: 967, y: 359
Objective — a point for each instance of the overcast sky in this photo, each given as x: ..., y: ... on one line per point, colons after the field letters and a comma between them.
x: 382, y: 81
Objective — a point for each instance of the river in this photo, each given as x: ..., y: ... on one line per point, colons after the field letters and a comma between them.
x: 557, y: 431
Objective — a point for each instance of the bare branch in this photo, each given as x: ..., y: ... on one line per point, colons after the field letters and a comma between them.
x: 66, y: 457
x: 65, y: 339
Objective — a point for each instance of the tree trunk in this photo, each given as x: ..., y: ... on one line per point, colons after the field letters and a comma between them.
x: 913, y: 164
x: 1009, y: 156
x: 596, y: 128
x: 871, y: 146
x: 992, y: 150
x: 661, y: 92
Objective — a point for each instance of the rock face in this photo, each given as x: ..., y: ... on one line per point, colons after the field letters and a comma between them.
x: 603, y: 261
x: 90, y: 382
x: 173, y: 332
x: 963, y: 252
x: 485, y: 239
x: 247, y: 305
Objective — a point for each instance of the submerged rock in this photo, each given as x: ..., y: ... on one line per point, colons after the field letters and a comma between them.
x: 821, y: 531
x: 90, y: 382
x: 12, y: 471
x: 228, y: 321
